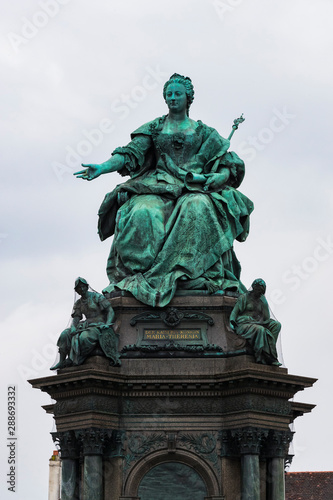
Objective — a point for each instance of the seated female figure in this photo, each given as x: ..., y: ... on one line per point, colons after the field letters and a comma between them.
x: 250, y: 318
x: 80, y: 340
x: 175, y: 220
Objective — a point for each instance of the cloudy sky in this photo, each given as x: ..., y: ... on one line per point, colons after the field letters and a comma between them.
x: 77, y: 78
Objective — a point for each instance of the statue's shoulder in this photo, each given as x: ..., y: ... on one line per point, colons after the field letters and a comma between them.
x: 95, y: 296
x: 210, y: 132
x: 205, y: 128
x: 150, y: 127
x: 100, y: 300
x: 242, y: 298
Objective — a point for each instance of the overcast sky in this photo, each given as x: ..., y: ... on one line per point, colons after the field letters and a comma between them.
x: 76, y: 78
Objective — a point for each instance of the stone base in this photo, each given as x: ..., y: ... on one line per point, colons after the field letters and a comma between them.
x: 190, y: 326
x: 206, y: 418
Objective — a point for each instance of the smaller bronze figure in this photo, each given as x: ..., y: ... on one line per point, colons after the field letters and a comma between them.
x: 250, y: 318
x: 80, y: 340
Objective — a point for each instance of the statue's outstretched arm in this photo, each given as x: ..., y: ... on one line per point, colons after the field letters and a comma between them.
x: 92, y: 171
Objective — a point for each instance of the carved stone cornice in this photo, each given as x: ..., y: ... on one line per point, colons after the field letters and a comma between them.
x: 243, y: 441
x: 277, y: 444
x: 92, y: 402
x: 69, y: 445
x: 93, y: 441
x: 249, y: 440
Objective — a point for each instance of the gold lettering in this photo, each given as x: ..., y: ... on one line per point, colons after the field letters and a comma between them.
x: 187, y: 334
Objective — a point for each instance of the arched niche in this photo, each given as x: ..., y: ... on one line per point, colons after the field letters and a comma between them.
x: 172, y: 480
x: 161, y: 465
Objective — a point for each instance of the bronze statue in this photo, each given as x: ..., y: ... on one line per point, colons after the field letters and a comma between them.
x: 175, y: 220
x: 80, y: 340
x: 250, y: 318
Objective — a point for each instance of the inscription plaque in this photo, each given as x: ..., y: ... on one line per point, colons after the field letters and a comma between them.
x: 155, y: 333
x: 174, y: 334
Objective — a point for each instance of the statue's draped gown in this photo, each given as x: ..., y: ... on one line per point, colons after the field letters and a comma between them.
x: 169, y: 233
x: 90, y: 332
x: 252, y: 321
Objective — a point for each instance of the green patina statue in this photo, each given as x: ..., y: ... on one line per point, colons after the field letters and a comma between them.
x: 175, y: 220
x: 250, y: 318
x: 81, y: 339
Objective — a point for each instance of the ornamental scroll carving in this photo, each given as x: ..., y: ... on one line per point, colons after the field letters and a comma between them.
x: 171, y: 317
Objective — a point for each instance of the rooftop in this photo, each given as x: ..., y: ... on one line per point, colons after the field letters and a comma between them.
x: 309, y: 486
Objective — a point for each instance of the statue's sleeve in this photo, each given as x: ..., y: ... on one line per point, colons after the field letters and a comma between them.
x: 136, y: 154
x: 103, y: 303
x: 215, y: 147
x: 238, y: 309
x: 236, y: 166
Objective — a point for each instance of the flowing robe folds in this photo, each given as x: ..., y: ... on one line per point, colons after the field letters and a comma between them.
x: 91, y: 332
x: 252, y: 321
x: 168, y: 231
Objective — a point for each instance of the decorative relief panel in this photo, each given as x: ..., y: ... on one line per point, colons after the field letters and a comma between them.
x: 140, y: 444
x: 87, y: 403
x: 192, y: 404
x: 203, y: 444
x: 172, y: 405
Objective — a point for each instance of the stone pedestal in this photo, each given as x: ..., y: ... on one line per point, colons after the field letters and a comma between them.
x: 187, y: 402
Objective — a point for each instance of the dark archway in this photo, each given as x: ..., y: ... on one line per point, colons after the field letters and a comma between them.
x: 193, y: 462
x: 172, y: 481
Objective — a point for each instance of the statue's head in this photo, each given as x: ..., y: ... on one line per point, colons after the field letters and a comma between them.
x: 259, y: 285
x: 80, y: 284
x: 186, y: 82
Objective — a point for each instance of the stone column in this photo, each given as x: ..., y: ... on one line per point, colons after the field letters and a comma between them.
x: 93, y: 443
x: 249, y: 442
x: 69, y: 464
x: 250, y: 477
x: 277, y: 450
x: 276, y: 485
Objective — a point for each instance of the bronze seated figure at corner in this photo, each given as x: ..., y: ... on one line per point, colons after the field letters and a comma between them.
x: 250, y: 318
x: 81, y: 339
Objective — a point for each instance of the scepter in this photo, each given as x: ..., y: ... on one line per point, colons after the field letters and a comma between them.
x: 235, y: 126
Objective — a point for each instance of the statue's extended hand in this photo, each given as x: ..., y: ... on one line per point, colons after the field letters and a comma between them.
x: 91, y: 172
